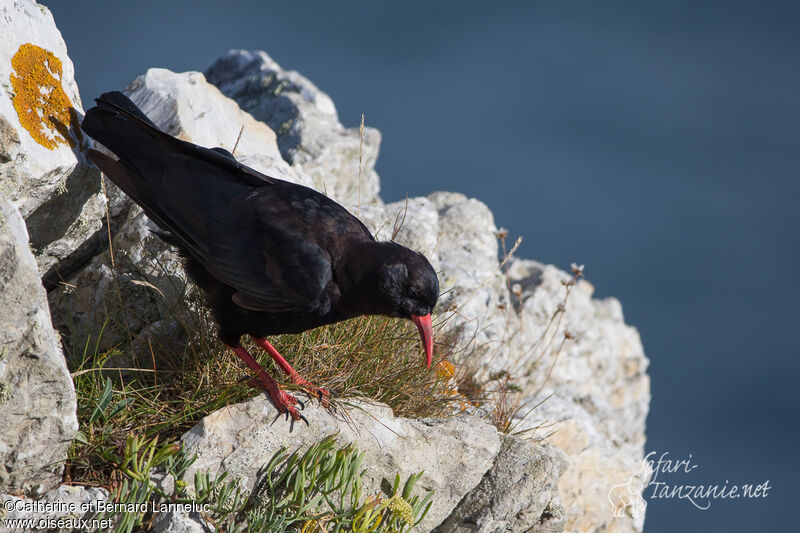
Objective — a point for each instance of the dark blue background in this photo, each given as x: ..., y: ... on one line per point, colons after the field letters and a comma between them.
x: 657, y: 143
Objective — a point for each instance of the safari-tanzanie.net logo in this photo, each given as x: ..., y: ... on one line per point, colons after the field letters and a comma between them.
x: 662, y: 478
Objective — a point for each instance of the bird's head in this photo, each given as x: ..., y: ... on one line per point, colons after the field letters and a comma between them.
x: 409, y: 288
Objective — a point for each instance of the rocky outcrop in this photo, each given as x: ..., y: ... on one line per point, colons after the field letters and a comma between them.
x: 589, y: 396
x: 586, y: 390
x: 581, y: 369
x: 44, y: 172
x: 37, y: 400
x: 305, y: 120
x: 479, y: 476
x: 519, y: 493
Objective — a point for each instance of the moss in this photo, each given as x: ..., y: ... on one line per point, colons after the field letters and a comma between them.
x: 43, y: 108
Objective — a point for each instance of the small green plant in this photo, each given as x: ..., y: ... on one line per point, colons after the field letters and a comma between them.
x: 103, y: 414
x: 396, y: 513
x: 319, y: 490
x: 135, y: 488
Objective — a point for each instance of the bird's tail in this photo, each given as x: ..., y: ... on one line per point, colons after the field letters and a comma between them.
x: 177, y: 183
x: 125, y: 130
x: 119, y: 125
x: 116, y: 123
x: 118, y: 102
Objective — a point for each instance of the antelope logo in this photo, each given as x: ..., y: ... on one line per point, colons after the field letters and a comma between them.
x: 628, y: 496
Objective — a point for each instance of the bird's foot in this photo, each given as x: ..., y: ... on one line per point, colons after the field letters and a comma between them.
x: 284, y: 402
x: 323, y: 395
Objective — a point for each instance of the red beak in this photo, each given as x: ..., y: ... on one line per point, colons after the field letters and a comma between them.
x: 426, y: 333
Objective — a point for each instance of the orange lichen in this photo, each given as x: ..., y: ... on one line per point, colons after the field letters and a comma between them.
x: 445, y: 369
x: 44, y: 109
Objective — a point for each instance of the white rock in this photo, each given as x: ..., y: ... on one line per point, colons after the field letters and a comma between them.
x: 143, y: 285
x: 594, y: 403
x: 454, y: 453
x: 472, y: 286
x: 180, y: 522
x: 187, y: 106
x: 519, y: 493
x: 416, y: 222
x: 310, y: 136
x: 37, y: 399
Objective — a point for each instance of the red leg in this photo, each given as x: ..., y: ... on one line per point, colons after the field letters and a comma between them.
x: 284, y: 403
x: 322, y: 394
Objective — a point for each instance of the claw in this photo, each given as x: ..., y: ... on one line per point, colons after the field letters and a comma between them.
x: 284, y: 403
x: 305, y: 420
x: 302, y: 404
x: 320, y: 393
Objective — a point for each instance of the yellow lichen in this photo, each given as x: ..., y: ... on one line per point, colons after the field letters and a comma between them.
x: 44, y: 109
x: 445, y: 369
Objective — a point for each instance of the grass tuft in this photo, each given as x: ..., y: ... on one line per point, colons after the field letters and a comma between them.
x: 163, y: 393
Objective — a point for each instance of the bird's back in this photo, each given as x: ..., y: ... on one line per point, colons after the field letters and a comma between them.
x: 273, y: 242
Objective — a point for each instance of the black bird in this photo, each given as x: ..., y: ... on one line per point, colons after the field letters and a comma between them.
x: 271, y: 257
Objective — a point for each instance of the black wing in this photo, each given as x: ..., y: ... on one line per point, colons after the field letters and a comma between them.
x: 300, y: 234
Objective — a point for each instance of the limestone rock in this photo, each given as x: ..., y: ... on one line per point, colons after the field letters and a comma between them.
x: 594, y: 403
x: 187, y: 106
x: 310, y: 135
x: 454, y: 453
x: 180, y: 522
x: 519, y: 493
x: 413, y: 223
x: 474, y: 293
x: 143, y: 284
x: 43, y: 168
x: 37, y: 399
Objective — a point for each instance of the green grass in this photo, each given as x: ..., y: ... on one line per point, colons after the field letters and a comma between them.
x: 375, y: 358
